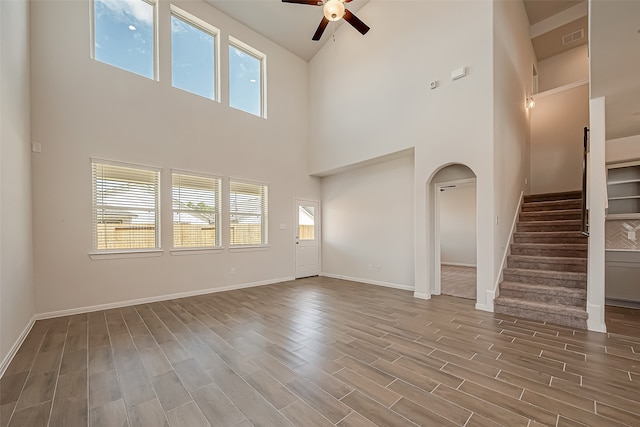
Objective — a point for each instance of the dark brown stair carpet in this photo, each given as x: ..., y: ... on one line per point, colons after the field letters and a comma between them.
x: 546, y: 274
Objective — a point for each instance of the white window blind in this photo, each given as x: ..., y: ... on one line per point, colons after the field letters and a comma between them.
x: 196, y: 211
x: 125, y: 207
x: 248, y: 209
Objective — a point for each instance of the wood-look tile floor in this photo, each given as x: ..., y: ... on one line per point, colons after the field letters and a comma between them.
x: 318, y: 352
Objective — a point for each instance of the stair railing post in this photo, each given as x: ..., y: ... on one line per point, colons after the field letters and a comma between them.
x: 584, y: 226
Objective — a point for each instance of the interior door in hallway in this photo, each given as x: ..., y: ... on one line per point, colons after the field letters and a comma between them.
x: 307, y: 241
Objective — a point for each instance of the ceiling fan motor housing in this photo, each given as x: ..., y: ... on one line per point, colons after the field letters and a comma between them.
x: 333, y: 10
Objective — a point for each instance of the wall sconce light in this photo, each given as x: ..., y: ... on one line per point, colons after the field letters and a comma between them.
x: 530, y: 103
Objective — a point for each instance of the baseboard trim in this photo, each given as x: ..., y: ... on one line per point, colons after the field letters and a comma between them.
x: 421, y: 295
x: 369, y: 282
x: 595, y: 321
x: 126, y: 303
x: 622, y: 303
x: 14, y: 349
x: 458, y: 264
x: 491, y: 295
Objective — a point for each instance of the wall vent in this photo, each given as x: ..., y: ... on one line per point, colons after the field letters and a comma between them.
x: 570, y: 38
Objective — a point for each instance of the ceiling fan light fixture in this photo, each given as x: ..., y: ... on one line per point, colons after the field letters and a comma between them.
x: 333, y: 10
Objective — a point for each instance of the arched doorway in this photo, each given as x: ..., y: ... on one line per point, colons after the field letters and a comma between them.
x: 455, y: 232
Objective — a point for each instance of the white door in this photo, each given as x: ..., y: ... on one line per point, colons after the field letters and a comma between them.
x: 307, y: 241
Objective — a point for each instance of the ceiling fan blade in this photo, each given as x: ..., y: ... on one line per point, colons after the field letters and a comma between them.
x: 320, y: 30
x: 309, y: 2
x: 355, y: 22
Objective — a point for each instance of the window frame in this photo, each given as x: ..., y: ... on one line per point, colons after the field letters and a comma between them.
x: 260, y: 56
x: 155, y: 37
x: 218, y: 215
x: 207, y: 28
x: 125, y: 252
x: 264, y: 216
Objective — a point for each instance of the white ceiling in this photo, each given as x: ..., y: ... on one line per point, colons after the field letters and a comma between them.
x: 614, y: 43
x: 288, y: 25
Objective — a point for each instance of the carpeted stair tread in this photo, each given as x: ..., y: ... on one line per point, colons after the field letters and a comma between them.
x: 546, y: 308
x: 550, y: 215
x: 552, y: 225
x: 547, y: 273
x: 559, y: 314
x: 551, y: 205
x: 533, y: 262
x: 575, y: 297
x: 543, y: 249
x: 553, y: 237
x: 567, y: 195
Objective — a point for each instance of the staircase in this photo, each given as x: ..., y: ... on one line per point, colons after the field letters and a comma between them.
x: 546, y: 274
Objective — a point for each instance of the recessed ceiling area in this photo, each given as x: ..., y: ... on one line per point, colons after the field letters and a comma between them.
x: 553, y: 23
x: 539, y: 10
x: 555, y: 41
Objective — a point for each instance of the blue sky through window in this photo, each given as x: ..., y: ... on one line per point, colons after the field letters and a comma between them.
x: 124, y: 35
x: 192, y: 59
x: 244, y: 81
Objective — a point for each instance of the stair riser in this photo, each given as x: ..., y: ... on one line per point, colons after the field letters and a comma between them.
x: 549, y: 239
x: 544, y: 297
x: 541, y: 316
x: 541, y: 280
x: 537, y: 207
x: 529, y: 227
x: 549, y: 216
x: 573, y: 268
x: 572, y: 253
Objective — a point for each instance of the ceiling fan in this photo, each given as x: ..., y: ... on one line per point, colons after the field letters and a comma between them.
x: 334, y: 10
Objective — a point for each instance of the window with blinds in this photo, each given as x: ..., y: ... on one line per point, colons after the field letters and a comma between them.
x: 126, y: 207
x: 248, y: 213
x: 196, y: 210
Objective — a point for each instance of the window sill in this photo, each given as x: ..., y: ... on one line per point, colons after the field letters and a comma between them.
x: 195, y: 251
x: 125, y: 254
x: 256, y: 248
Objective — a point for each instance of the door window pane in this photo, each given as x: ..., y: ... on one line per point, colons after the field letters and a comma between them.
x: 306, y: 223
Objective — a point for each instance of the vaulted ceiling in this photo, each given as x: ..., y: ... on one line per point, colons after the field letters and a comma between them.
x: 615, y: 50
x: 288, y: 25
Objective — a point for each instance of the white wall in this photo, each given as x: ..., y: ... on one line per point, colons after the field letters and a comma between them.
x: 565, y: 68
x: 16, y: 250
x: 557, y: 124
x: 379, y: 102
x: 597, y: 188
x: 457, y: 209
x: 623, y: 149
x: 513, y: 60
x: 367, y: 216
x: 83, y: 108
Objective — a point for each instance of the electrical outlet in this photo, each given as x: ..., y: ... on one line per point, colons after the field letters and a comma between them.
x: 233, y: 270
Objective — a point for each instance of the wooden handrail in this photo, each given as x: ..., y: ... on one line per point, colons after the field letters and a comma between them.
x: 584, y: 225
